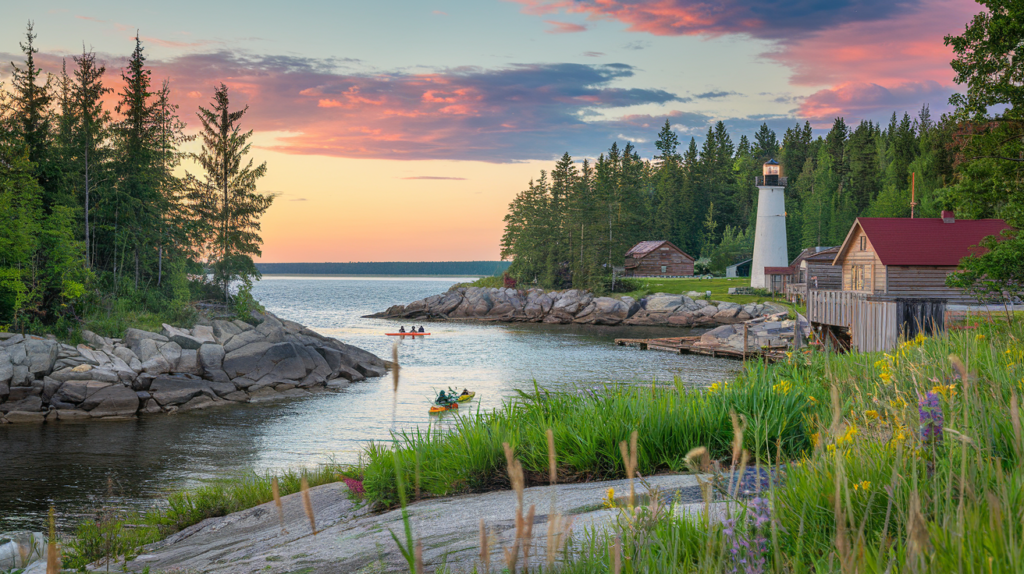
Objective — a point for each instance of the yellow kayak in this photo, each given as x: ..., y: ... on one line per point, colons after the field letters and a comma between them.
x: 464, y: 398
x: 440, y: 409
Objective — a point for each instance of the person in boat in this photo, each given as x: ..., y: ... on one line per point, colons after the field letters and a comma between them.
x: 443, y: 399
x: 401, y: 329
x: 464, y: 392
x: 421, y: 329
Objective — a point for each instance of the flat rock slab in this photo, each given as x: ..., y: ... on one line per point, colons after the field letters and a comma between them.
x: 351, y: 538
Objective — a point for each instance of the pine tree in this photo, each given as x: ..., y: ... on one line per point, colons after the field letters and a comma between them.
x: 91, y: 134
x: 31, y: 103
x: 766, y: 144
x: 236, y: 221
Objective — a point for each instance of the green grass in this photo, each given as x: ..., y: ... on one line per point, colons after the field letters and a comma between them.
x: 719, y: 287
x: 587, y: 430
x: 850, y: 503
x: 491, y: 282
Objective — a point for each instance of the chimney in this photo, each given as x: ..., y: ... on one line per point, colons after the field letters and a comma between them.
x: 947, y: 217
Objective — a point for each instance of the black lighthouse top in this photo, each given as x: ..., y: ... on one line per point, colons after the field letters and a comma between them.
x: 771, y: 175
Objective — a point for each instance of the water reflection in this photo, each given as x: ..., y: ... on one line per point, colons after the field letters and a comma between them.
x: 68, y: 464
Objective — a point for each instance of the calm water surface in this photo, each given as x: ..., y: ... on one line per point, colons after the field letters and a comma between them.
x: 70, y: 465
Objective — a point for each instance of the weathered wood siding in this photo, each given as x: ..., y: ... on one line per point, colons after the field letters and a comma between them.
x: 925, y: 282
x: 865, y: 259
x: 829, y: 276
x: 872, y: 324
x: 675, y: 264
x: 915, y: 316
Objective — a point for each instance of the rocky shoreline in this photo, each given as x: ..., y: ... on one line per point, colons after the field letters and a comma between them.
x: 176, y: 370
x: 577, y: 306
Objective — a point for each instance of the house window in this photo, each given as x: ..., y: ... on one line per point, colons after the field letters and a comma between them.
x: 863, y: 243
x: 664, y: 269
x: 858, y: 281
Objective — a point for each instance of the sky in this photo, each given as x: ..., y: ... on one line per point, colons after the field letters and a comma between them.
x: 400, y: 130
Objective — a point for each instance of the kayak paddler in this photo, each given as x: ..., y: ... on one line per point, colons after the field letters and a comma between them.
x: 443, y: 399
x: 421, y: 329
x: 401, y: 329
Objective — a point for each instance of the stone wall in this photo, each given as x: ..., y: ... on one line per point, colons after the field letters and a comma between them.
x: 576, y: 306
x: 175, y: 370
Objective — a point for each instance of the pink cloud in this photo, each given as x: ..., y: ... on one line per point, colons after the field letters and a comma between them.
x: 858, y: 100
x: 564, y: 27
x: 885, y: 51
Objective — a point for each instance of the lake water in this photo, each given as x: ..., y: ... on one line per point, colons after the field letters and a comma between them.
x: 70, y: 465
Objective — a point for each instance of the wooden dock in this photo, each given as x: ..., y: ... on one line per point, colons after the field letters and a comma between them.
x: 692, y: 346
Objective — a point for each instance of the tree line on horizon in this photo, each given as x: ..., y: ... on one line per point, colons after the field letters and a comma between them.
x: 456, y: 268
x: 575, y: 222
x: 92, y: 209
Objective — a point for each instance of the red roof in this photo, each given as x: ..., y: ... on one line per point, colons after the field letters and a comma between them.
x: 646, y: 247
x: 779, y: 271
x: 928, y: 241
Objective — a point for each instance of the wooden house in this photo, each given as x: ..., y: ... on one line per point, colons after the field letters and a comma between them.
x: 776, y: 279
x: 658, y: 259
x: 894, y: 277
x: 814, y: 270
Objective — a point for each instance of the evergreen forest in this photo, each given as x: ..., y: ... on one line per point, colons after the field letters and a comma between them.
x: 575, y: 222
x: 97, y: 218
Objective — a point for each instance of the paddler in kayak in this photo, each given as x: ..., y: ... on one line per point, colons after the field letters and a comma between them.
x: 421, y: 329
x: 401, y: 329
x: 464, y: 392
x: 444, y: 400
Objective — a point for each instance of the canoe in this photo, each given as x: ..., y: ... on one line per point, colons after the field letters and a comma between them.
x: 440, y: 409
x: 406, y: 334
x: 464, y: 398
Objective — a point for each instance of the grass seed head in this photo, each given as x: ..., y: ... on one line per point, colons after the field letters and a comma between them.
x: 552, y: 468
x: 307, y: 503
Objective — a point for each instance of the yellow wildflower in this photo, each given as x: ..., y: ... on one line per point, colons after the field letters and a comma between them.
x: 812, y: 400
x: 847, y: 438
x: 979, y: 337
x: 885, y: 377
x: 609, y: 499
x: 782, y: 387
x: 881, y: 365
x: 831, y: 448
x: 871, y: 414
x: 946, y: 391
x: 815, y: 439
x: 718, y: 386
x: 920, y: 338
x: 862, y: 485
x: 899, y: 403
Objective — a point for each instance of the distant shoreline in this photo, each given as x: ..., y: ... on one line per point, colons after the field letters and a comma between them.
x: 389, y: 268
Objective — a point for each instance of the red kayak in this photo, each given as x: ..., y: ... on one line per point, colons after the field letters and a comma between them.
x: 406, y: 334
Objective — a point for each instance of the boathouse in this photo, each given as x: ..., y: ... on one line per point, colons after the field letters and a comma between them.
x: 658, y: 259
x: 893, y: 278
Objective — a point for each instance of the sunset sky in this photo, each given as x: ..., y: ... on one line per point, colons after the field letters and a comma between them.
x: 400, y: 130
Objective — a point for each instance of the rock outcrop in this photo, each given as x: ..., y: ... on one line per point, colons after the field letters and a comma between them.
x: 577, y: 306
x: 175, y: 370
x: 772, y: 331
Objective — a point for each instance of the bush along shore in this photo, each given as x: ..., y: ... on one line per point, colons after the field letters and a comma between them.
x: 176, y: 370
x: 577, y: 306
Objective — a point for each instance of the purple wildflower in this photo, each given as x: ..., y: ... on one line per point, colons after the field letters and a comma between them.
x: 930, y: 410
x: 748, y: 548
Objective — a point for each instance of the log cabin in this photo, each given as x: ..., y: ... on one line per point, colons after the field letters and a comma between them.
x: 658, y: 259
x: 893, y: 278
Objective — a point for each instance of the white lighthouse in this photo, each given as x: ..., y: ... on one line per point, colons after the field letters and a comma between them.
x: 770, y: 232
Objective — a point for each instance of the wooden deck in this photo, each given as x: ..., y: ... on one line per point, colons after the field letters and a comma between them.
x: 692, y: 346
